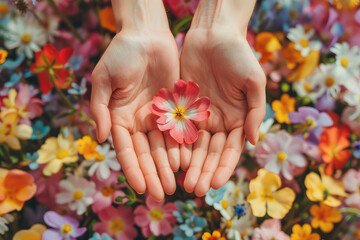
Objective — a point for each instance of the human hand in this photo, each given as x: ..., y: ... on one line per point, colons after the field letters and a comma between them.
x: 132, y: 70
x: 222, y: 63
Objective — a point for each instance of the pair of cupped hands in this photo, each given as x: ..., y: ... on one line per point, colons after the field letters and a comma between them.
x: 136, y: 65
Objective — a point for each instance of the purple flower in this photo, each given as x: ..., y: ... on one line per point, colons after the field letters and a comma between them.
x: 312, y: 122
x: 65, y: 227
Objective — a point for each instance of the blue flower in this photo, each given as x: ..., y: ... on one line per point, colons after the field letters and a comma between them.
x: 192, y: 225
x: 39, y: 130
x: 12, y: 64
x: 270, y: 113
x: 180, y: 235
x: 97, y: 236
x: 239, y: 210
x: 75, y: 62
x: 357, y: 149
x: 215, y: 196
x: 31, y: 159
x: 14, y: 79
x: 78, y: 90
x: 185, y: 210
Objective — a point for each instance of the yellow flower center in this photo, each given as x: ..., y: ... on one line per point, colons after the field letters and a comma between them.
x: 310, y: 123
x: 261, y: 136
x: 224, y: 204
x: 228, y: 224
x: 37, y: 132
x: 3, y: 8
x: 100, y: 158
x: 156, y: 214
x: 304, y: 42
x: 266, y: 196
x: 78, y: 195
x: 237, y: 191
x: 307, y: 87
x: 117, y: 225
x: 62, y: 153
x: 344, y: 62
x: 329, y: 81
x: 281, y: 156
x: 66, y: 229
x: 108, y: 191
x: 26, y: 38
x: 179, y: 113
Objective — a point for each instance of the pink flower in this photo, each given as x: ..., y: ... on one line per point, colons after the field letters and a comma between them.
x: 25, y: 99
x: 182, y: 7
x: 118, y: 223
x: 106, y: 192
x: 281, y: 153
x: 351, y: 183
x: 269, y: 229
x: 155, y: 218
x: 177, y: 108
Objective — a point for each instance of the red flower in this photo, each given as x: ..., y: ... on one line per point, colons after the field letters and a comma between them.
x: 333, y: 144
x: 50, y: 63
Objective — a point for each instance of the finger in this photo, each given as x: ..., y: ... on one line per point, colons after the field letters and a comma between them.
x: 146, y: 162
x: 100, y: 97
x: 185, y: 155
x: 216, y: 147
x: 229, y: 158
x: 173, y: 151
x: 158, y: 152
x: 127, y: 158
x: 256, y: 100
x: 197, y: 160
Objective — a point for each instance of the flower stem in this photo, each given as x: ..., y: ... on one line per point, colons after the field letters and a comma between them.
x: 62, y: 95
x: 65, y: 19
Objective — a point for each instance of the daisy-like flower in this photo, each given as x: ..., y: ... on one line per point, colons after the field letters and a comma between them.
x: 104, y: 161
x: 281, y: 153
x: 302, y: 40
x: 347, y: 63
x: 4, y: 220
x: 25, y: 36
x: 352, y: 98
x: 176, y: 110
x: 50, y: 24
x: 77, y: 193
x: 57, y: 151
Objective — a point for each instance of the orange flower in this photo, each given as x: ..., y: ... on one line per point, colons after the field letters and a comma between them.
x: 292, y: 56
x: 107, y: 19
x: 324, y: 217
x: 34, y: 233
x: 87, y: 148
x: 303, y: 233
x: 3, y: 55
x: 266, y: 43
x: 16, y: 187
x: 333, y: 144
x: 307, y: 67
x: 282, y: 107
x: 346, y: 4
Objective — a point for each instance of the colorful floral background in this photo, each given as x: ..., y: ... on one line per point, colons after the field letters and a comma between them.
x: 301, y: 181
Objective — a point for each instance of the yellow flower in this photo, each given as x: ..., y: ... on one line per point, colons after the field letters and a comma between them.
x: 10, y: 103
x: 267, y: 44
x: 34, y: 233
x: 264, y: 197
x: 303, y: 233
x: 3, y: 55
x: 324, y: 189
x: 324, y: 217
x: 11, y: 131
x: 57, y: 151
x: 307, y: 67
x: 216, y: 235
x: 282, y: 107
x: 87, y: 147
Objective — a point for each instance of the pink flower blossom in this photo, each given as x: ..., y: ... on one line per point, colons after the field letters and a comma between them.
x: 281, y: 153
x: 118, y: 223
x: 268, y: 230
x: 176, y: 110
x: 182, y: 7
x: 351, y: 183
x: 106, y: 192
x: 155, y: 218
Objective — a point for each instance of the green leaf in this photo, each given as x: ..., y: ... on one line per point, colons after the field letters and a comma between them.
x: 119, y: 199
x: 14, y: 159
x: 129, y: 203
x: 68, y: 113
x: 181, y: 25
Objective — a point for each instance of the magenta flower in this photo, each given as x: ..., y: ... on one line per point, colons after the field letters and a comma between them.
x: 351, y: 183
x: 182, y: 7
x: 281, y: 153
x: 176, y: 110
x: 64, y: 227
x: 156, y: 218
x: 118, y: 223
x: 106, y: 192
x: 268, y: 230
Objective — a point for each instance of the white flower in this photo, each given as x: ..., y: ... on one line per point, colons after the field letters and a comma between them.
x: 352, y: 98
x: 263, y: 130
x: 25, y: 36
x: 77, y: 193
x: 347, y: 63
x: 105, y: 161
x: 302, y: 40
x: 50, y: 24
x: 4, y: 220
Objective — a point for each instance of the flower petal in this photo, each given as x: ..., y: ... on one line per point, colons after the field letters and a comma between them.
x: 185, y: 94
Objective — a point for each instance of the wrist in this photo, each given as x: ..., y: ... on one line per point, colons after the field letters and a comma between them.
x: 139, y: 15
x: 231, y: 15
